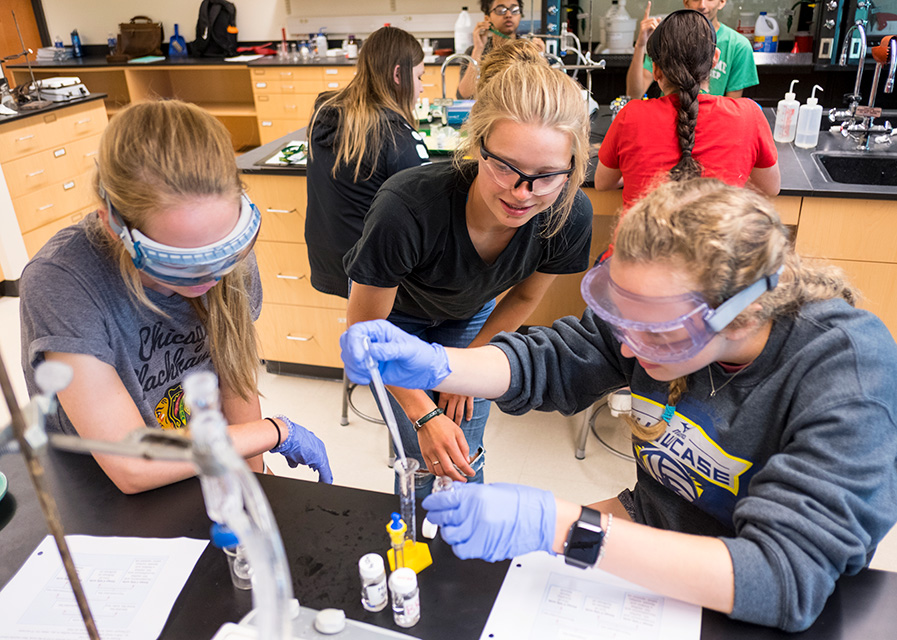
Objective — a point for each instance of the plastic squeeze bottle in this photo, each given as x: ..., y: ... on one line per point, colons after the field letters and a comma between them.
x: 786, y: 117
x: 463, y: 35
x: 808, y: 120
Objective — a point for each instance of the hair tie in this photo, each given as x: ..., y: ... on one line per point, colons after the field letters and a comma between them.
x: 668, y: 412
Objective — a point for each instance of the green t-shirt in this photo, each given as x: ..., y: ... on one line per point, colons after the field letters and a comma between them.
x: 735, y: 69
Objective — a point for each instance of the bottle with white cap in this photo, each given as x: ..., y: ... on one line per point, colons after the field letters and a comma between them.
x: 405, y: 597
x: 808, y: 120
x: 786, y: 116
x: 373, y: 582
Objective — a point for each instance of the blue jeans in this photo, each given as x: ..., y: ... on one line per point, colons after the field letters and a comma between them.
x: 449, y: 333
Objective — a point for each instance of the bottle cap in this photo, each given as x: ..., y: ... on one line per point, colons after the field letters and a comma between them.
x: 403, y: 581
x: 223, y: 537
x: 790, y: 95
x: 371, y: 565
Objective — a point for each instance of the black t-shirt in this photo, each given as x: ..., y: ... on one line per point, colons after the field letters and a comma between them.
x: 415, y: 237
x: 336, y: 206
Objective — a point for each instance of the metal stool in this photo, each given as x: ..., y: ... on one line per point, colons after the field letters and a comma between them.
x: 603, y: 419
x: 348, y: 388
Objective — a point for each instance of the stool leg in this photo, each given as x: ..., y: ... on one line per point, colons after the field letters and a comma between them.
x: 344, y: 417
x: 583, y: 434
x: 391, y: 450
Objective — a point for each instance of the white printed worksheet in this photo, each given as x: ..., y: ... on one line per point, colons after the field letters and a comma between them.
x: 542, y: 598
x: 130, y: 584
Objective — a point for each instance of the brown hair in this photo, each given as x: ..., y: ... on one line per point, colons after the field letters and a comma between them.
x: 728, y: 237
x: 362, y: 104
x: 523, y: 88
x: 153, y: 155
x: 682, y: 47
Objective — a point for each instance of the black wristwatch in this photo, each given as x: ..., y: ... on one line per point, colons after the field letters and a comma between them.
x: 583, y: 546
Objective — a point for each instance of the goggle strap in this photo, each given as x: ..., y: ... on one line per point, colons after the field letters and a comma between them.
x: 729, y: 310
x: 119, y: 228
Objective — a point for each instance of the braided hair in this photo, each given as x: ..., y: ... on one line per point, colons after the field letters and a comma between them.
x: 683, y: 46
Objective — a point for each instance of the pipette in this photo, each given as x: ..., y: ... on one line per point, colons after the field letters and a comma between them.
x: 383, y: 398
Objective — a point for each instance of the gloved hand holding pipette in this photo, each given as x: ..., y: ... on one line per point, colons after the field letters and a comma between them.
x: 301, y: 446
x: 404, y: 360
x: 494, y: 521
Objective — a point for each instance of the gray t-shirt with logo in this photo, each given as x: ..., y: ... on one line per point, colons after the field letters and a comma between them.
x: 73, y: 300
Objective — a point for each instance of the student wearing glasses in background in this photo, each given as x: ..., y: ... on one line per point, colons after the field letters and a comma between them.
x: 158, y: 283
x: 501, y: 18
x: 764, y: 413
x: 441, y: 241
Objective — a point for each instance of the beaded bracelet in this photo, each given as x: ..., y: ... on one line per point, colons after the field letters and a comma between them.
x: 603, y: 549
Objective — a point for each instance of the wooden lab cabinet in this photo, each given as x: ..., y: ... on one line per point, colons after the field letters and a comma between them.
x: 48, y: 163
x: 858, y: 236
x: 298, y: 324
x: 285, y: 96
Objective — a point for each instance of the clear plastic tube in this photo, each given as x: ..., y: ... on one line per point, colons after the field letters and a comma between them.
x: 405, y: 471
x: 385, y: 408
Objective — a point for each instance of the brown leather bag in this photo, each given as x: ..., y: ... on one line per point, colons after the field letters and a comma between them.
x: 139, y: 37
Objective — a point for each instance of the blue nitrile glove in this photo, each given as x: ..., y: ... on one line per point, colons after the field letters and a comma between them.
x: 404, y: 360
x: 301, y: 446
x: 494, y: 521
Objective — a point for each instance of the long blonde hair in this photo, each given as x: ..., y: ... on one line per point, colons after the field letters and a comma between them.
x: 361, y: 106
x: 521, y: 87
x: 728, y: 238
x: 153, y: 155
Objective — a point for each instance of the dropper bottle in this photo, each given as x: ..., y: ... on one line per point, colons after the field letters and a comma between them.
x: 786, y: 116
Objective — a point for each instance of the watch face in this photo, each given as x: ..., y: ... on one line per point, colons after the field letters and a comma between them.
x: 584, y: 544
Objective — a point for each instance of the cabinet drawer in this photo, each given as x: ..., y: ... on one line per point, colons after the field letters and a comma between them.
x: 81, y: 121
x: 18, y: 139
x: 265, y: 85
x: 298, y: 106
x: 286, y: 276
x: 37, y: 238
x: 271, y: 129
x: 877, y: 282
x: 43, y: 168
x: 269, y: 105
x: 303, y: 335
x: 54, y: 202
x: 282, y: 201
x: 848, y: 229
x: 339, y: 73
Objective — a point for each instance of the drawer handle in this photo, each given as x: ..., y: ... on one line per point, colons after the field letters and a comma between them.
x: 59, y: 152
x: 68, y: 185
x: 333, y: 85
x: 85, y: 121
x: 267, y: 123
x: 290, y: 106
x: 23, y: 138
x: 270, y: 210
x: 45, y: 207
x: 261, y: 85
x: 331, y: 72
x: 288, y: 74
x: 90, y: 154
x: 286, y: 276
x: 300, y: 338
x: 35, y: 173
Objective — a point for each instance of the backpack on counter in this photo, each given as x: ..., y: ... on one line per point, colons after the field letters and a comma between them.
x: 216, y: 30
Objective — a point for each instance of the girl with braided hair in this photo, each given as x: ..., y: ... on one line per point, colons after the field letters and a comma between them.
x: 764, y: 401
x: 687, y: 133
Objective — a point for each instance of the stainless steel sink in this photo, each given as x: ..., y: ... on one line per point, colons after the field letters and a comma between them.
x: 871, y: 168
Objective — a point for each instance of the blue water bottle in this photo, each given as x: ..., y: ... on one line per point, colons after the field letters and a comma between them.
x: 76, y: 44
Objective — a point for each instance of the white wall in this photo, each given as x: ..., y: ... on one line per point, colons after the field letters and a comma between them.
x: 256, y: 19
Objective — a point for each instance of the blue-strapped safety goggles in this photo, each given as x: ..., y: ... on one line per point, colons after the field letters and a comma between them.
x: 186, y: 267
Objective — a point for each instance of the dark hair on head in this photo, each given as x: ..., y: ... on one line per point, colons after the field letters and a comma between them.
x: 486, y: 6
x: 682, y: 47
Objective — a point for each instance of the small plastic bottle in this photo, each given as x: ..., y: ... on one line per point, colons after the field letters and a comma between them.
x: 321, y: 43
x: 111, y: 42
x: 57, y: 42
x: 808, y: 120
x: 76, y: 44
x: 786, y: 116
x: 373, y: 582
x: 237, y: 560
x: 351, y: 48
x: 405, y: 597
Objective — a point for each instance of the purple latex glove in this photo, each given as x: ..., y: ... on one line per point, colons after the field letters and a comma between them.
x: 301, y: 446
x: 404, y: 360
x: 494, y: 521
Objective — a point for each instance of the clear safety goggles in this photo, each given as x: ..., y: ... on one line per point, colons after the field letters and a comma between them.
x: 666, y: 328
x: 189, y: 267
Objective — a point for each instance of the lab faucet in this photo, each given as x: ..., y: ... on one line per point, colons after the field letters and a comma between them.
x: 855, y: 97
x: 449, y: 60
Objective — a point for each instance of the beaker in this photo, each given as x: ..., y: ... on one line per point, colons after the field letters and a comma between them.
x: 405, y: 470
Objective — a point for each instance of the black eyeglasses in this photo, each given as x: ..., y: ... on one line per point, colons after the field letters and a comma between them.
x: 502, y: 10
x: 507, y: 176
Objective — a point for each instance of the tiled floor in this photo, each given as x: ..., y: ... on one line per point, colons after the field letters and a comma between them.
x: 535, y: 449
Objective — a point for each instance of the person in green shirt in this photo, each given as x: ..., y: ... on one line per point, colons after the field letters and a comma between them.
x: 734, y: 72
